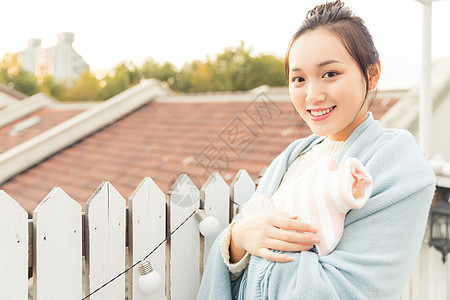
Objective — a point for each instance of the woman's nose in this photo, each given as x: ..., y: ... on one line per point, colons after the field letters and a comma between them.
x: 315, y: 93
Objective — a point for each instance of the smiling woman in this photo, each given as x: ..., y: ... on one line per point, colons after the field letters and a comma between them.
x: 327, y: 86
x: 331, y: 65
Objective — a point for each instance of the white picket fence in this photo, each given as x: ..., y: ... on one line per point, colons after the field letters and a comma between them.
x: 73, y: 254
x: 58, y: 237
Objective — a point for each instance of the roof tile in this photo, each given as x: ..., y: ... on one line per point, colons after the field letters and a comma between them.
x: 49, y: 118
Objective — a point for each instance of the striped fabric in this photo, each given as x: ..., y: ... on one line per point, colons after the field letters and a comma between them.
x: 323, y: 194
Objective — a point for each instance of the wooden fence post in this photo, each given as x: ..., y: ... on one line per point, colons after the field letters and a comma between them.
x: 14, y: 249
x: 146, y: 230
x: 184, y: 244
x: 105, y: 242
x: 241, y: 189
x: 57, y: 252
x: 214, y: 197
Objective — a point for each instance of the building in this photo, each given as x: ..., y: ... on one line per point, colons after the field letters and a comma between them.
x: 60, y: 61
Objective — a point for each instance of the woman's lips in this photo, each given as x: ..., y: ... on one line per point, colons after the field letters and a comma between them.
x: 320, y: 114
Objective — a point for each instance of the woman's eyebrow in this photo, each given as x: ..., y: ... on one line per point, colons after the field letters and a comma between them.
x: 322, y: 64
x: 328, y: 62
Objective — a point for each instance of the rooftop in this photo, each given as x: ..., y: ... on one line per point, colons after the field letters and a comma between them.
x: 22, y: 120
x: 9, y: 96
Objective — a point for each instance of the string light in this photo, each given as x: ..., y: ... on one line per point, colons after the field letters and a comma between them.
x: 150, y: 280
x: 439, y: 165
x: 209, y: 225
x: 140, y: 261
x: 436, y: 163
x: 446, y: 170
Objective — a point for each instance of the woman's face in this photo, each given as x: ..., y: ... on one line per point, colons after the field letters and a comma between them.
x: 326, y: 85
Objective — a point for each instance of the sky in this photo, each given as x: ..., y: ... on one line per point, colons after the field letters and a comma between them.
x: 110, y: 31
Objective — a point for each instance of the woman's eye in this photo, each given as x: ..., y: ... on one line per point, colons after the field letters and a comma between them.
x: 329, y: 74
x: 298, y: 79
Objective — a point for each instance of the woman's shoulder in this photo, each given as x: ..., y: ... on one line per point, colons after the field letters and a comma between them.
x: 398, y: 140
x: 395, y: 137
x: 395, y: 153
x: 375, y: 140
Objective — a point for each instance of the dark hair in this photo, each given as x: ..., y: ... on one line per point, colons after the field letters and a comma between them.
x: 348, y: 28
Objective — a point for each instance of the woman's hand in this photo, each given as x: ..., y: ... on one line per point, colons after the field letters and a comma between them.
x: 261, y: 232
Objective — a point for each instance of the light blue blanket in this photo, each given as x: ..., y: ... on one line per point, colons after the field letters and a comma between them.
x: 381, y: 241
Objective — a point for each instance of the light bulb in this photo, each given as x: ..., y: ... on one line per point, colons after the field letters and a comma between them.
x: 209, y: 225
x: 150, y: 280
x: 445, y: 170
x: 436, y: 163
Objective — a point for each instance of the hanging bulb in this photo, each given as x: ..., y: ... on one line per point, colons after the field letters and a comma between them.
x: 446, y: 170
x: 150, y: 280
x: 436, y: 163
x: 209, y: 225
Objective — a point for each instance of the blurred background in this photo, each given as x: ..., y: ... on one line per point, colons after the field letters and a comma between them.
x: 192, y: 46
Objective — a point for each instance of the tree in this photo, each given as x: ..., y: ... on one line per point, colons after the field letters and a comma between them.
x: 237, y: 70
x: 25, y: 82
x: 164, y: 73
x: 125, y: 75
x: 12, y: 74
x: 201, y: 77
x: 57, y: 90
x: 85, y: 88
x: 266, y: 69
x: 230, y: 69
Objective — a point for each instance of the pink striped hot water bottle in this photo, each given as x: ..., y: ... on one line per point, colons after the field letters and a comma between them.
x: 323, y: 194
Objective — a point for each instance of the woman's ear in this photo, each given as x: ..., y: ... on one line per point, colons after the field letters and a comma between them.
x: 374, y: 74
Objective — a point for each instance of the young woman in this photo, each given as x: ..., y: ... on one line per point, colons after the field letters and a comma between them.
x: 331, y: 65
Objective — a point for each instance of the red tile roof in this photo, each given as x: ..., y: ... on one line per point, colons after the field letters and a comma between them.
x: 49, y: 117
x: 162, y: 140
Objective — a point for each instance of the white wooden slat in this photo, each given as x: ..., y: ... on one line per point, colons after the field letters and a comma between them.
x: 147, y: 229
x: 430, y: 278
x: 215, y: 200
x: 418, y: 290
x: 260, y: 175
x: 437, y: 275
x: 105, y: 251
x: 57, y: 252
x: 413, y: 289
x: 241, y: 189
x: 14, y: 249
x: 183, y: 200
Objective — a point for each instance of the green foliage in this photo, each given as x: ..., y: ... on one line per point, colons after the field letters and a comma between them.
x: 13, y: 75
x: 24, y: 82
x: 84, y: 88
x: 57, y: 90
x: 152, y: 69
x: 124, y: 75
x: 236, y: 69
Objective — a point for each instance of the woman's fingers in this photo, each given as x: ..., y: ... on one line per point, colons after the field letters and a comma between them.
x: 290, y: 223
x: 292, y: 236
x: 287, y: 246
x: 275, y: 230
x: 273, y: 256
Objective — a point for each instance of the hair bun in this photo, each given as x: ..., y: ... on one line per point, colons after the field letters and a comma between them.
x: 327, y: 8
